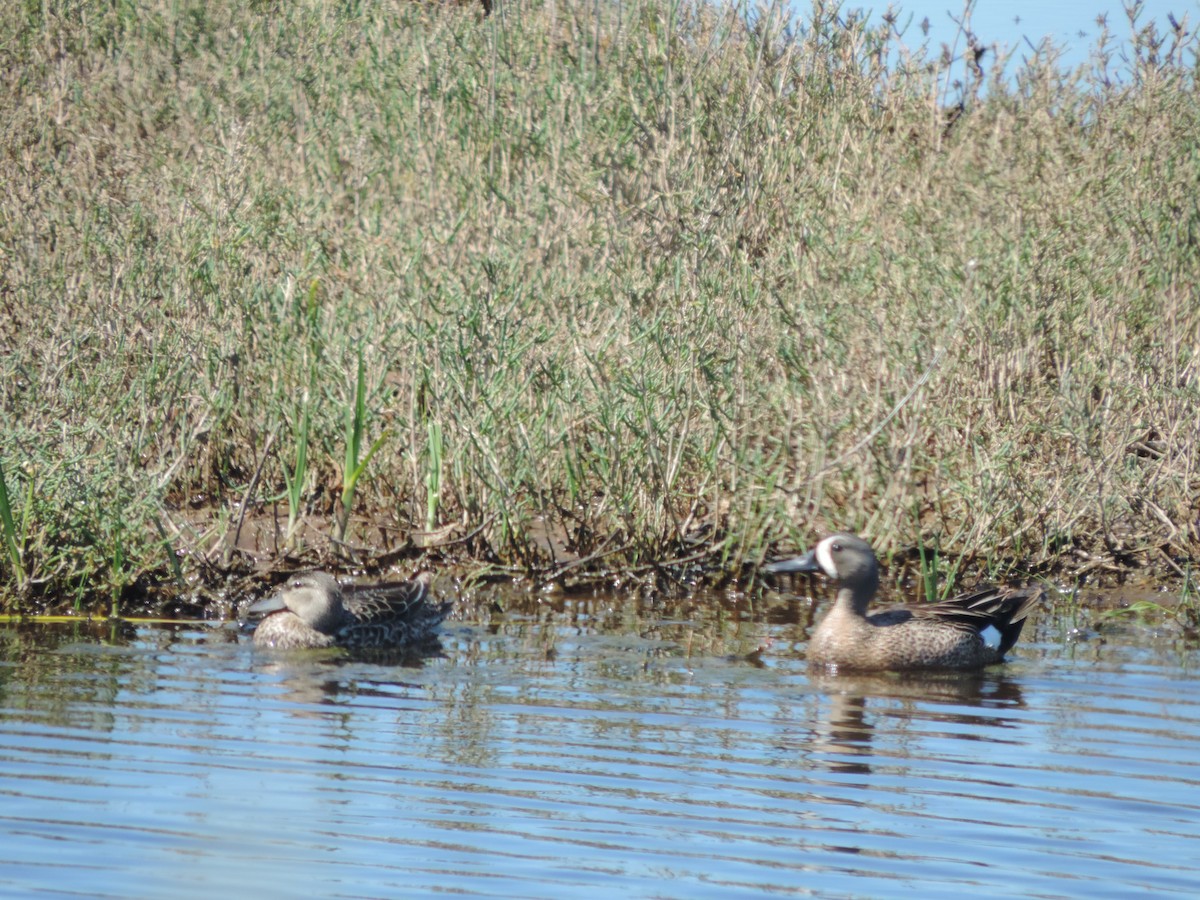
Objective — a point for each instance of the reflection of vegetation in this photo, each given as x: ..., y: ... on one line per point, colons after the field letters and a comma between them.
x: 694, y: 278
x: 34, y: 676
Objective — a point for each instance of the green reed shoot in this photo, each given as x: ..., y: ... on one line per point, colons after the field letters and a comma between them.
x: 929, y: 569
x: 356, y: 463
x: 118, y: 559
x: 14, y: 539
x: 296, y: 477
x: 931, y: 562
x: 433, y: 475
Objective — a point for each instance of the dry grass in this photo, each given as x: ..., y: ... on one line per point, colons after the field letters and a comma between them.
x: 632, y: 283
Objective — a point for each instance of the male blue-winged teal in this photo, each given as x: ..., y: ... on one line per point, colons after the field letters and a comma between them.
x: 313, y: 610
x: 945, y: 635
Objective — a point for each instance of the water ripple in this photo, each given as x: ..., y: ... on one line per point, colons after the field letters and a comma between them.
x: 183, y: 763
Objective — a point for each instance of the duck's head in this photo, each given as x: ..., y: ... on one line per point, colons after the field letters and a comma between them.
x: 845, y: 558
x: 316, y: 597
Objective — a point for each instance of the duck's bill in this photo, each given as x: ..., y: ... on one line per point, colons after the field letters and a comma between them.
x: 266, y: 605
x: 805, y: 563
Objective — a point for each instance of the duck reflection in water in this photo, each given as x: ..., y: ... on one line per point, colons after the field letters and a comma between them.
x: 969, y: 706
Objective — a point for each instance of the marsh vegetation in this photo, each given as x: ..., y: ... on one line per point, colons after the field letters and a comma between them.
x: 634, y: 292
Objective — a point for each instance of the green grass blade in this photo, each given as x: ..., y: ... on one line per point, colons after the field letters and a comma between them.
x: 13, y: 543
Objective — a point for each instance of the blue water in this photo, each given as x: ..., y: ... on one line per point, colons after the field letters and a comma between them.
x: 599, y: 750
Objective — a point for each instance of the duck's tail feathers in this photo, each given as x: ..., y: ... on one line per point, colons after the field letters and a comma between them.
x: 1004, y: 609
x: 1011, y: 615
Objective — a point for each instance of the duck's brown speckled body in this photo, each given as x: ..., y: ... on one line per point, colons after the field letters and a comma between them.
x: 313, y: 610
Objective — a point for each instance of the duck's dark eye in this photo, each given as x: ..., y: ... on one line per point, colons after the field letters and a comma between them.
x: 835, y: 547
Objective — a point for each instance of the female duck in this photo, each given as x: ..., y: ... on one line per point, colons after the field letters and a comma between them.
x: 313, y: 610
x: 945, y: 635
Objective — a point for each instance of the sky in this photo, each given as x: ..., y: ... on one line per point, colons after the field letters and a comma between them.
x: 1069, y: 23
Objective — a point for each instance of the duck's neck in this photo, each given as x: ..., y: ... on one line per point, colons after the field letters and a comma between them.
x: 853, y: 599
x: 332, y: 615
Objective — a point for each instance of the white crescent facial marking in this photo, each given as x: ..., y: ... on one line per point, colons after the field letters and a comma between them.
x: 825, y: 558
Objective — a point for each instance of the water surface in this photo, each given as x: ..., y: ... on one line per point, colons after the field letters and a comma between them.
x: 596, y: 747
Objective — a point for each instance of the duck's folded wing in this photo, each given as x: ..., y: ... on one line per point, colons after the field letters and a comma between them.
x: 400, y: 600
x: 987, y: 606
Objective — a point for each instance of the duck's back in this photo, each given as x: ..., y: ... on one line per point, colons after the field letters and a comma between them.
x: 391, y: 615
